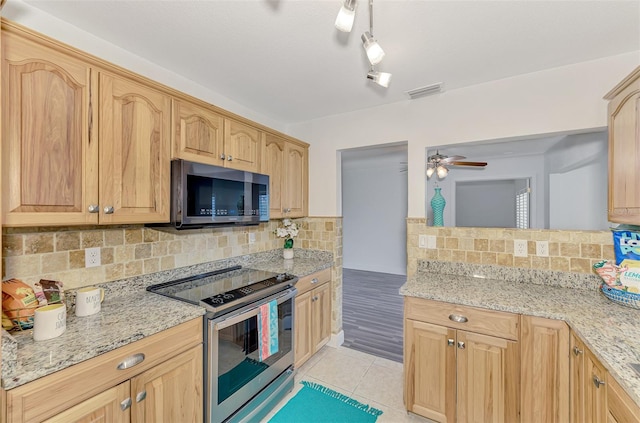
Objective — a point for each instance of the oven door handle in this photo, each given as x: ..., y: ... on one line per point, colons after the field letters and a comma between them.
x: 244, y: 315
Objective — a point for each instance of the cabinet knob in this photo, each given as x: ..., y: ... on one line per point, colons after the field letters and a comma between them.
x: 229, y: 158
x: 131, y: 361
x: 222, y: 156
x: 461, y: 345
x: 577, y: 351
x: 597, y: 381
x: 93, y: 208
x: 315, y: 298
x: 458, y: 318
x: 314, y: 280
x: 451, y: 342
x: 125, y: 404
x: 141, y: 396
x: 108, y: 210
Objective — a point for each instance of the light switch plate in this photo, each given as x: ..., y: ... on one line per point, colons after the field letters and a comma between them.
x: 422, y: 241
x: 431, y: 242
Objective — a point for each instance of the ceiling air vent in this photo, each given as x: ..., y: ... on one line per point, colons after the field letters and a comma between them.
x: 428, y: 90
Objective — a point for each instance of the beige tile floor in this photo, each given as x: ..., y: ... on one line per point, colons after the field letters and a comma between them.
x: 371, y: 380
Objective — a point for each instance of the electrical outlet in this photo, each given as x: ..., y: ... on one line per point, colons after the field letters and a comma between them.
x: 542, y: 248
x: 422, y: 241
x: 252, y: 237
x: 520, y: 248
x: 431, y: 242
x: 92, y: 257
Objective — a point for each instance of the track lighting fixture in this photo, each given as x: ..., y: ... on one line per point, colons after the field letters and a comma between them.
x: 375, y: 54
x: 380, y: 78
x: 346, y: 16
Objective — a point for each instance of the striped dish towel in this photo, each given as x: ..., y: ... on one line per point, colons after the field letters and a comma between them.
x: 268, y: 329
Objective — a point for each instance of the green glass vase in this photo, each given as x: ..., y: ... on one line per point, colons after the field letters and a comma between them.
x: 437, y: 205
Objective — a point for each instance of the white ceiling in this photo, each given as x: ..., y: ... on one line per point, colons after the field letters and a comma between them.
x: 285, y: 59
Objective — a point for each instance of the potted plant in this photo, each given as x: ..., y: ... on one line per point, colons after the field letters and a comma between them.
x: 288, y: 231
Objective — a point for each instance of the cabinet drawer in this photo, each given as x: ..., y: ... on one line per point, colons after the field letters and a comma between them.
x: 52, y: 394
x: 494, y: 323
x: 311, y: 281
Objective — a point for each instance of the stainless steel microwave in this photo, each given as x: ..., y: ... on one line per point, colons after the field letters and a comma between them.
x: 204, y: 195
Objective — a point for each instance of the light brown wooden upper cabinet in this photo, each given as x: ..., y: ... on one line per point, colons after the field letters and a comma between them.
x: 198, y: 133
x: 287, y: 165
x: 82, y: 145
x: 49, y: 159
x: 134, y: 151
x: 242, y: 145
x: 624, y: 150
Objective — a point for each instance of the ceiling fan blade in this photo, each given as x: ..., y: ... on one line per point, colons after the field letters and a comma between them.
x: 477, y: 164
x: 450, y: 159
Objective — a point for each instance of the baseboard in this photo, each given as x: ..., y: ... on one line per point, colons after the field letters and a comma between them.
x: 336, y: 340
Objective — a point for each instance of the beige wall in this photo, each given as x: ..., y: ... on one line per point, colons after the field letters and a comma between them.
x: 569, y: 251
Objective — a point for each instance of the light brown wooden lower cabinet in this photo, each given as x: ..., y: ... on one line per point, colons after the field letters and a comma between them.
x: 458, y: 375
x: 620, y: 407
x: 166, y: 386
x: 312, y: 315
x: 545, y: 370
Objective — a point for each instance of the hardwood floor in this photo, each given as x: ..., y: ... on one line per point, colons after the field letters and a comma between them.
x: 372, y: 313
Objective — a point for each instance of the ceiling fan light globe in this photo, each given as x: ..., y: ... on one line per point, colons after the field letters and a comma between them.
x: 430, y: 171
x: 442, y: 172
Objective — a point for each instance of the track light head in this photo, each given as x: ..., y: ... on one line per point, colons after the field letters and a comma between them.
x: 375, y: 54
x: 346, y: 16
x: 380, y: 78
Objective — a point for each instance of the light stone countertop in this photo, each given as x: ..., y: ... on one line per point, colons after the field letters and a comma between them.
x: 128, y: 314
x: 611, y: 331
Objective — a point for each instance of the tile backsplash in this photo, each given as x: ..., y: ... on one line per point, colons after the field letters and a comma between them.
x: 58, y: 253
x: 569, y: 251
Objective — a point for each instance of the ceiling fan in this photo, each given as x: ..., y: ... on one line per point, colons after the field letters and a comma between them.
x: 438, y: 163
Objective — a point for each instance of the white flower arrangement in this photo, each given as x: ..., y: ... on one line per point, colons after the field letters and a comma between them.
x: 288, y: 231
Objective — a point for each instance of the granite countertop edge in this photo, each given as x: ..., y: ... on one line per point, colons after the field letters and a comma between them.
x: 129, y: 313
x: 608, y: 329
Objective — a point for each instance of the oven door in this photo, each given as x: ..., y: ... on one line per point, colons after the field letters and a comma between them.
x: 235, y: 372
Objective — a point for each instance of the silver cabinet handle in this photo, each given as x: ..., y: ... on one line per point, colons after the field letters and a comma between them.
x: 597, y: 381
x: 125, y: 404
x: 141, y: 396
x: 222, y: 156
x: 577, y: 351
x: 108, y: 210
x: 287, y: 210
x: 315, y: 298
x: 131, y: 361
x: 229, y: 158
x: 461, y: 345
x: 458, y: 318
x: 93, y: 208
x: 314, y: 280
x: 451, y: 342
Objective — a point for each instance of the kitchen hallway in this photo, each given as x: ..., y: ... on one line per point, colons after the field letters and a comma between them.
x: 372, y: 311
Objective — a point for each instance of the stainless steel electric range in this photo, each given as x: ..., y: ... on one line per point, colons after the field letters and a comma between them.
x: 240, y: 384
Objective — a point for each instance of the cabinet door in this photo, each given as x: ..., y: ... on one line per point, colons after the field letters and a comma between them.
x: 242, y: 146
x: 624, y: 153
x: 134, y: 152
x: 545, y: 370
x: 296, y: 181
x: 109, y: 406
x: 197, y: 133
x: 576, y: 382
x: 430, y: 371
x: 303, y: 348
x: 273, y: 151
x: 621, y: 408
x: 49, y: 158
x: 595, y: 396
x: 321, y: 300
x: 171, y: 391
x: 487, y: 375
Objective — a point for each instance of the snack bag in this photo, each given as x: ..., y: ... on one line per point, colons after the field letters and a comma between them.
x: 19, y: 302
x: 626, y: 244
x: 52, y: 290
